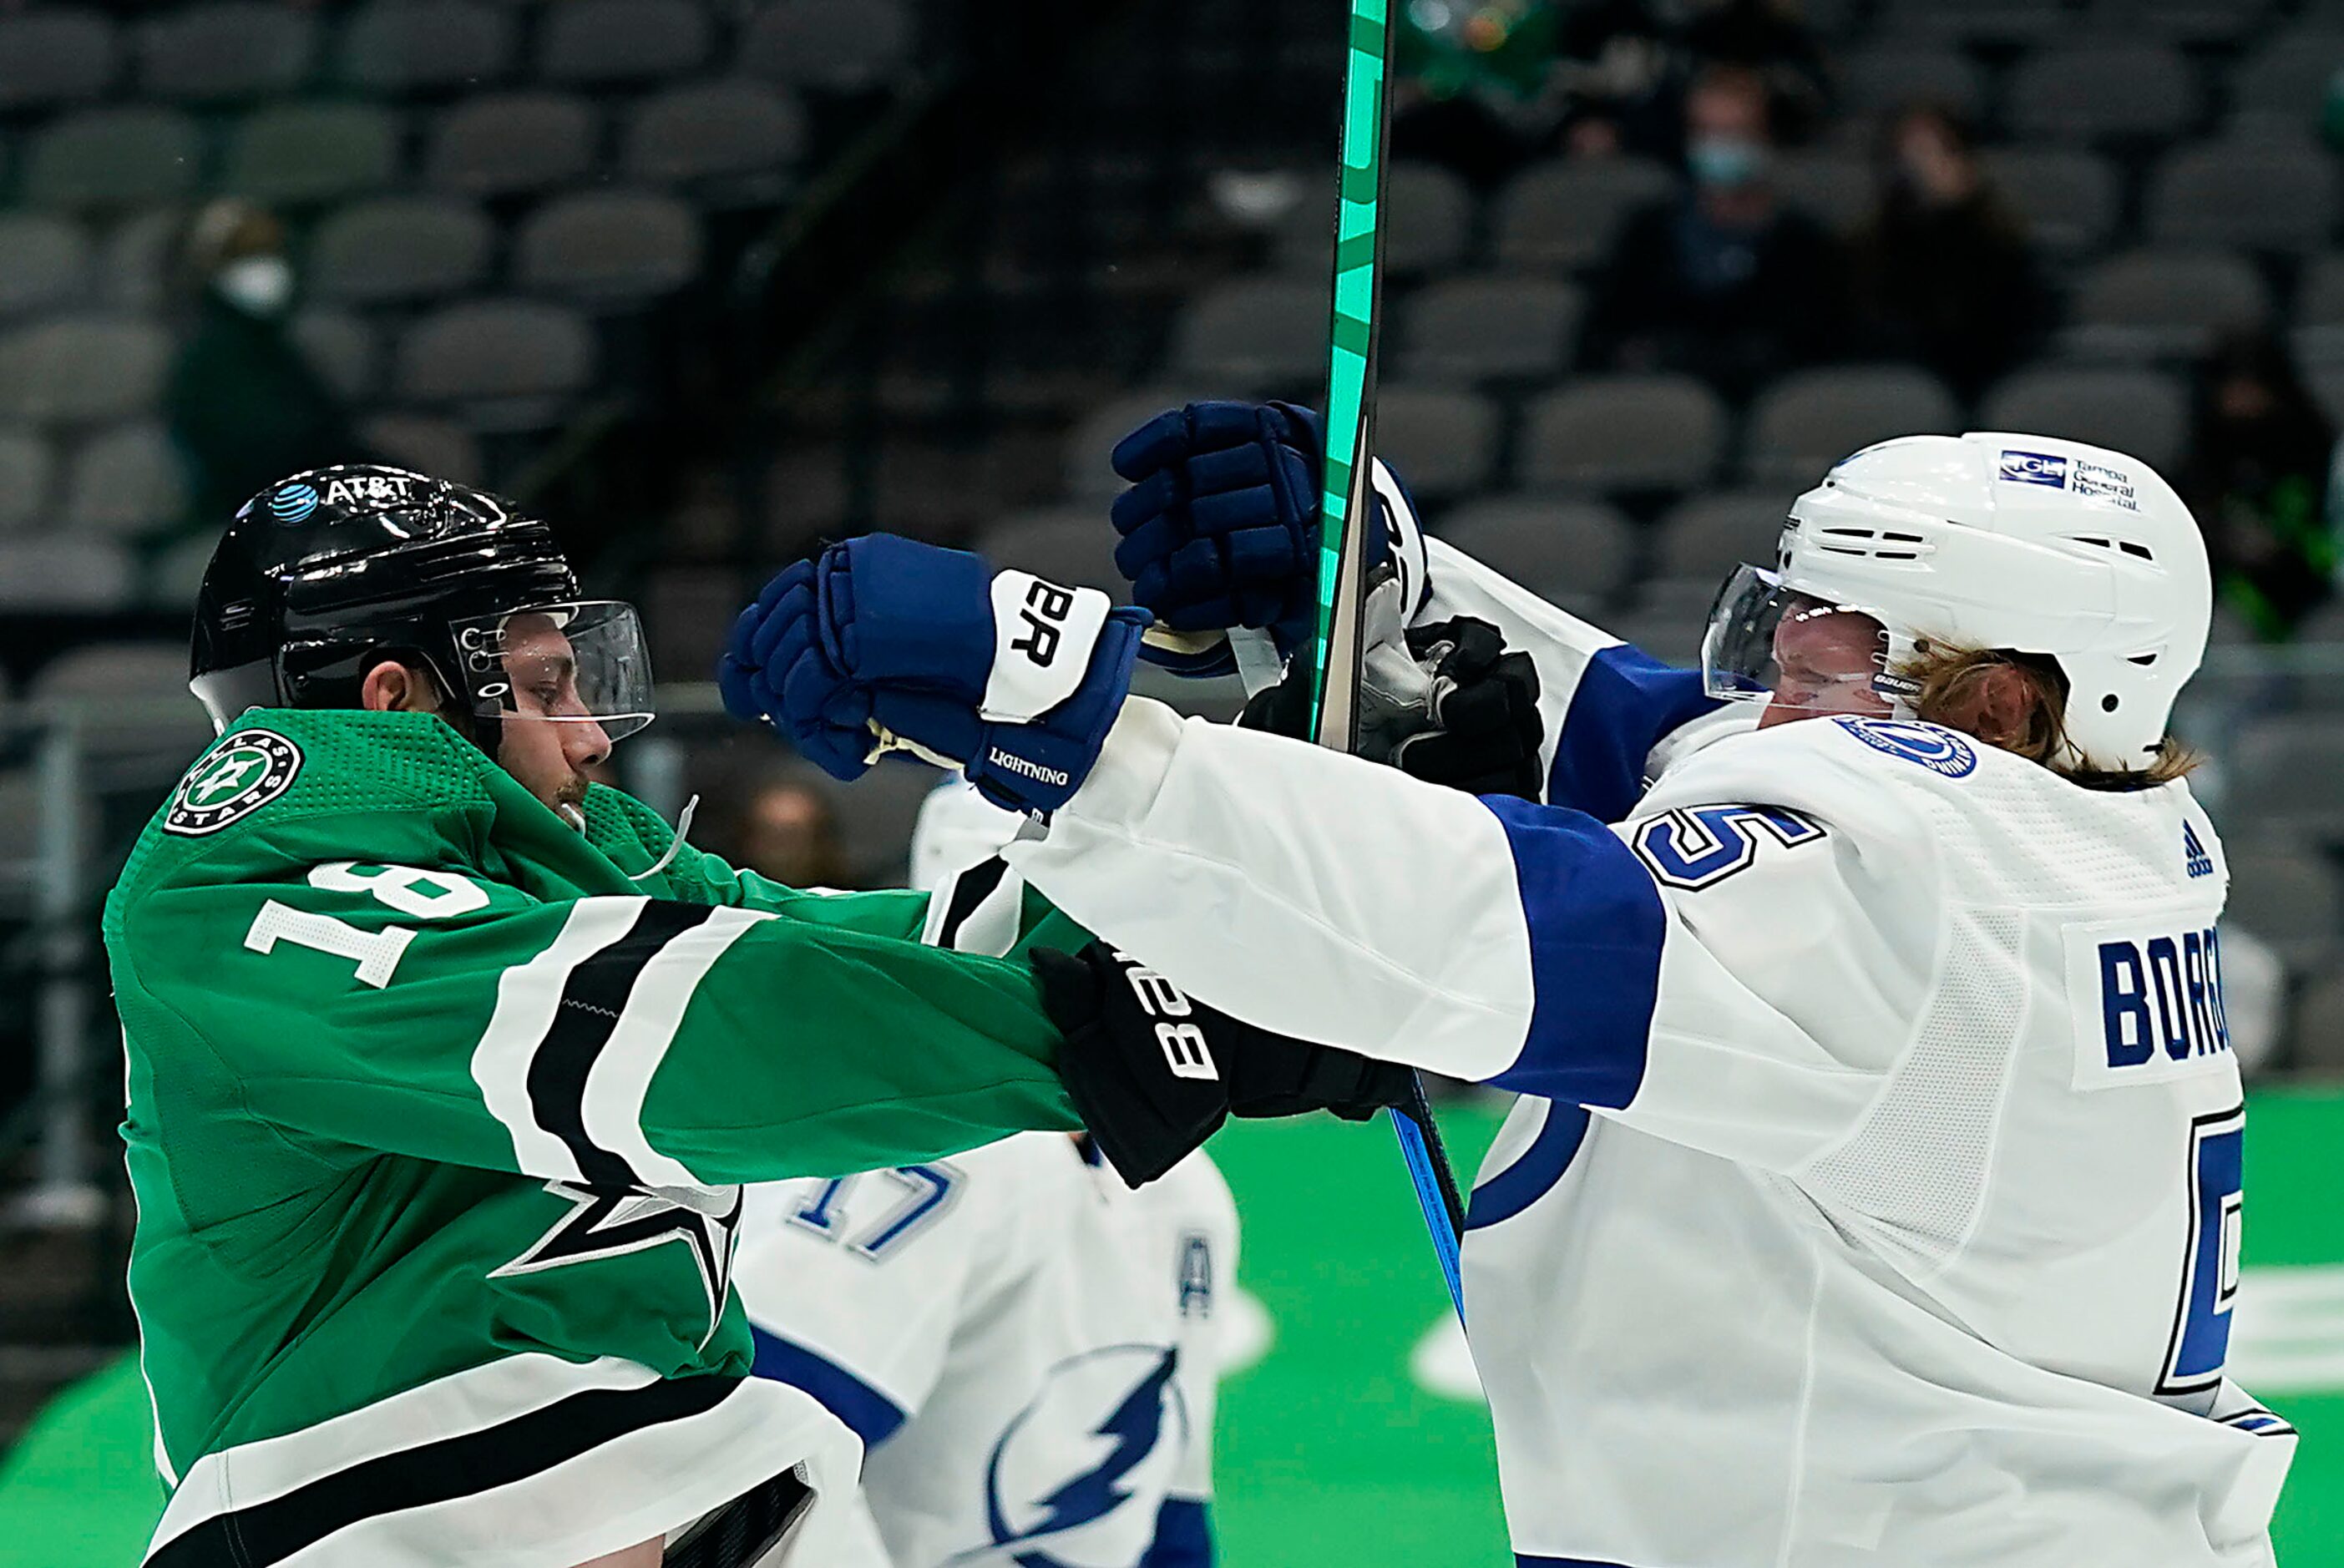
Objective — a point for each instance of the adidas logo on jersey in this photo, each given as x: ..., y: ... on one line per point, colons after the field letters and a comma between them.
x: 2193, y: 853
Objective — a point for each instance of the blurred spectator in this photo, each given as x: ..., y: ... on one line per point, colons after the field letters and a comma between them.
x: 1943, y: 272
x: 1726, y: 282
x: 1627, y: 64
x: 244, y: 404
x: 1474, y: 84
x: 787, y: 830
x: 2261, y: 476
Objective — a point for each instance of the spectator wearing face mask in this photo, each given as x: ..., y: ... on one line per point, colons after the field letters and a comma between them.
x: 1944, y: 274
x: 1724, y: 282
x: 2262, y: 476
x: 244, y: 404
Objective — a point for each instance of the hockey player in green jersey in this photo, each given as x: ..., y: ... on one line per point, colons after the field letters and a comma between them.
x: 444, y: 1064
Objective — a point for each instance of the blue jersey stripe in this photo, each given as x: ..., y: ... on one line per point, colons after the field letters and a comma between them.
x: 1626, y: 700
x: 1184, y: 1535
x: 1595, y: 925
x: 874, y: 1416
x: 1533, y: 1175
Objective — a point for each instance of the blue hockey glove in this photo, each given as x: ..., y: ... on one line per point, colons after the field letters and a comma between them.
x: 1221, y: 526
x: 884, y: 644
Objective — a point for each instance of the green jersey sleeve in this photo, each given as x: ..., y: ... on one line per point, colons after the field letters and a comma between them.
x: 609, y: 1041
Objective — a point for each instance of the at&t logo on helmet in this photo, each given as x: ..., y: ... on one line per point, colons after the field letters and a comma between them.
x: 293, y: 503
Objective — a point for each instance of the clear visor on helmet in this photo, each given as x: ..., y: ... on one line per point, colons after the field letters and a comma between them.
x: 1797, y: 653
x: 579, y: 663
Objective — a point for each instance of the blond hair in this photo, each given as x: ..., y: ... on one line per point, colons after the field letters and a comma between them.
x: 1946, y: 681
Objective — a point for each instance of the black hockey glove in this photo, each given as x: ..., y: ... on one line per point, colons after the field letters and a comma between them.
x: 1486, y: 731
x: 1154, y: 1073
x: 1480, y: 729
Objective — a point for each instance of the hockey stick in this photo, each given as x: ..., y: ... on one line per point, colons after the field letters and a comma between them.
x: 1348, y: 507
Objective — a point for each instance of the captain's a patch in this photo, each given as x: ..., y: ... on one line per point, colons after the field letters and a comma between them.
x: 238, y: 777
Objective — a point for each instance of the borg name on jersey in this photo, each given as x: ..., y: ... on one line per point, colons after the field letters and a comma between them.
x: 2147, y: 1001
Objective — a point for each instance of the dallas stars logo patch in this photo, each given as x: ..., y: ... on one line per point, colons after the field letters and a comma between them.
x: 608, y: 1224
x: 243, y: 774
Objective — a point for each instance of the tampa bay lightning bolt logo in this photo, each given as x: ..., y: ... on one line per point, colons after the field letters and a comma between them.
x: 1127, y: 1398
x: 1939, y: 750
x: 293, y: 503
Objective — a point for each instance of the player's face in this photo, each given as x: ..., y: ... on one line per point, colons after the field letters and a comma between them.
x: 1824, y: 659
x: 547, y: 740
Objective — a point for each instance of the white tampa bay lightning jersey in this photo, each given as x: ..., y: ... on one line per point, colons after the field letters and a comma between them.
x: 1875, y: 1194
x: 1028, y: 1349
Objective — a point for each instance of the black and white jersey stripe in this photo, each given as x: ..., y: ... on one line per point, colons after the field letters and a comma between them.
x: 580, y: 1030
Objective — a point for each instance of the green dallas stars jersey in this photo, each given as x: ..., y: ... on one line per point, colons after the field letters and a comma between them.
x: 436, y: 1111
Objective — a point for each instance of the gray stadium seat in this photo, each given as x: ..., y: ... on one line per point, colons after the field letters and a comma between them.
x: 133, y: 260
x: 2262, y: 196
x: 101, y: 676
x: 1974, y: 21
x: 174, y: 577
x: 62, y: 574
x: 1885, y: 78
x: 44, y: 262
x: 1567, y: 214
x: 2142, y: 413
x: 1070, y: 544
x: 510, y: 361
x: 1441, y: 442
x: 82, y: 369
x: 2285, y: 893
x: 837, y: 44
x: 2282, y: 774
x: 298, y: 153
x: 1704, y: 537
x: 56, y: 55
x: 1805, y: 422
x: 1835, y: 188
x: 126, y: 482
x: 113, y: 157
x: 728, y: 130
x: 398, y: 249
x: 229, y: 49
x: 510, y: 143
x: 1089, y: 476
x: 342, y: 348
x: 2102, y: 91
x: 1427, y: 221
x: 1564, y: 551
x: 1477, y: 328
x: 2202, y: 22
x: 27, y: 470
x: 1622, y: 433
x: 875, y: 817
x: 427, y: 445
x: 591, y: 43
x: 608, y: 246
x: 2283, y: 82
x: 2319, y: 314
x: 422, y: 46
x: 2066, y: 196
x: 2147, y: 304
x: 2318, y: 1028
x: 1253, y: 333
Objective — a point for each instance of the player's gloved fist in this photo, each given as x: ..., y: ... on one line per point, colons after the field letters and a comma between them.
x: 1155, y: 1072
x: 884, y: 643
x: 1221, y: 526
x: 1486, y: 729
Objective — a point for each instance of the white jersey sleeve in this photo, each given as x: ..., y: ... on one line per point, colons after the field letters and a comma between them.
x: 1730, y: 972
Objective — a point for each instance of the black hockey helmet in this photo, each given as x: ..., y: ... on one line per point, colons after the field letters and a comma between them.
x: 324, y: 575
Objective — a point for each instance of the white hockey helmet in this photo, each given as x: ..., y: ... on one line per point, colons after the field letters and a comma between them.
x: 2029, y: 544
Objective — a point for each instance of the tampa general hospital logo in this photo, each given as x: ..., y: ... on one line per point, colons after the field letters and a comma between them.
x: 241, y: 774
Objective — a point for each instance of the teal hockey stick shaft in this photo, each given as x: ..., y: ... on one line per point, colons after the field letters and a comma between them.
x: 1348, y: 508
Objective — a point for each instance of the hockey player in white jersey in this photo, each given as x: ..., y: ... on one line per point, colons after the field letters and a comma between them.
x: 1029, y: 1348
x: 1875, y: 1193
